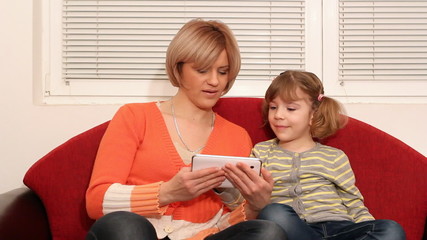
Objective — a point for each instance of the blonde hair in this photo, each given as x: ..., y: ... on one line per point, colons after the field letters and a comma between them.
x: 201, y: 42
x: 329, y: 114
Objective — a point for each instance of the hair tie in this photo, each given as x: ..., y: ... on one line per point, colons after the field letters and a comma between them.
x: 319, y: 98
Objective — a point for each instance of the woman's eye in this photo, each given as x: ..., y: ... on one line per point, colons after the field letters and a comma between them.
x: 273, y: 107
x: 223, y: 71
x: 291, y: 109
x: 202, y: 71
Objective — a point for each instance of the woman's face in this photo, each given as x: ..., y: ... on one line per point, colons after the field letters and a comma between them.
x: 205, y: 86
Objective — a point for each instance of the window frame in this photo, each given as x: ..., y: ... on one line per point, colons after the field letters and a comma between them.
x: 359, y: 91
x: 321, y: 51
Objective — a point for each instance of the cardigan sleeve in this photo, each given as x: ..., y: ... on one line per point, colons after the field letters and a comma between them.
x: 108, y: 191
x: 233, y: 217
x: 350, y: 194
x: 228, y: 219
x: 144, y: 199
x: 231, y: 197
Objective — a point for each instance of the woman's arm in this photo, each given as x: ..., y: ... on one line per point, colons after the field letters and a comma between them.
x: 109, y: 189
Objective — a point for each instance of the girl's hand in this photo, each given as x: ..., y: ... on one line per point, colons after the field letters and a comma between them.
x: 187, y: 185
x: 254, y: 188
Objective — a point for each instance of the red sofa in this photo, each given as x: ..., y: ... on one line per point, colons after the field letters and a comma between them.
x: 391, y: 176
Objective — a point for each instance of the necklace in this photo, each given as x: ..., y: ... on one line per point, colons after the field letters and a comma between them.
x: 179, y: 133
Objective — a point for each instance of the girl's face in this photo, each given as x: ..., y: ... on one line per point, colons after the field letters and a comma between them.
x: 205, y: 86
x: 291, y: 121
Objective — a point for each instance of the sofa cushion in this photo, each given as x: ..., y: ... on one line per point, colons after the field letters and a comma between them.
x: 60, y: 180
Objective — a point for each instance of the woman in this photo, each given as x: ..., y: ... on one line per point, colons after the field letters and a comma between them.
x: 142, y: 186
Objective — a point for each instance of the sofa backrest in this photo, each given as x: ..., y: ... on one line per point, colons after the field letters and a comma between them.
x: 390, y: 174
x: 60, y: 179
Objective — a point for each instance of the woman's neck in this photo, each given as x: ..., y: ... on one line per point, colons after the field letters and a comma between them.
x: 185, y: 109
x: 188, y: 126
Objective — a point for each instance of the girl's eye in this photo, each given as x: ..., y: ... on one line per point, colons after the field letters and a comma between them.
x: 223, y: 72
x: 291, y: 109
x: 273, y: 107
x: 202, y: 71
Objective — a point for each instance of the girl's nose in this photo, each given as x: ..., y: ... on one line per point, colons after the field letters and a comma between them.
x: 279, y: 114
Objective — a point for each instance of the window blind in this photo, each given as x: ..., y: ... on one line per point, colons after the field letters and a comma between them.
x: 126, y: 41
x: 382, y: 40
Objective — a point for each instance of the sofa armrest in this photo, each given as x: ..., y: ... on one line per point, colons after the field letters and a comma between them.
x: 23, y: 216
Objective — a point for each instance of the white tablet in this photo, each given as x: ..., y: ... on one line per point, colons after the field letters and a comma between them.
x: 202, y: 161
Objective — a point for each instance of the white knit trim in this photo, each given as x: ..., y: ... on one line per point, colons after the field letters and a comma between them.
x: 117, y: 198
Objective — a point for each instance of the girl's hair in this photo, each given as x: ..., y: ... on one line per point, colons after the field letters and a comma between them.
x: 328, y: 114
x: 201, y: 42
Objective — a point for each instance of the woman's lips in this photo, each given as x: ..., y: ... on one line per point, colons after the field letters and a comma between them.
x: 210, y: 92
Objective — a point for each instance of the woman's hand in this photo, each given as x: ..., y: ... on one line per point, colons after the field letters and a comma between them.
x: 254, y: 188
x: 187, y: 185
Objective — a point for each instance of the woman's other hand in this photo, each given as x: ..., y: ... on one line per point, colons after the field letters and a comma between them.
x: 254, y: 188
x: 187, y: 185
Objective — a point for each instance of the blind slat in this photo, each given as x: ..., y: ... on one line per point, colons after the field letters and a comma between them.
x: 127, y: 40
x: 382, y: 40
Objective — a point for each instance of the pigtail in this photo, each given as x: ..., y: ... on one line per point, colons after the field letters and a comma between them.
x: 329, y: 117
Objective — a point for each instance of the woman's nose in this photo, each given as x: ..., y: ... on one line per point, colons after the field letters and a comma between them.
x: 213, y: 79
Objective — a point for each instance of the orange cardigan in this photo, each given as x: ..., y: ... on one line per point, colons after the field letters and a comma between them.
x: 138, y: 153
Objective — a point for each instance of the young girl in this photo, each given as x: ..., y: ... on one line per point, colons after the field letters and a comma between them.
x: 314, y: 194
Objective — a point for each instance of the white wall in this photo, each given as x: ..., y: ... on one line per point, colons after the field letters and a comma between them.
x: 28, y: 131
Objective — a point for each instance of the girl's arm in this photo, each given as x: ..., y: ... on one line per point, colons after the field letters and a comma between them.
x: 349, y: 193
